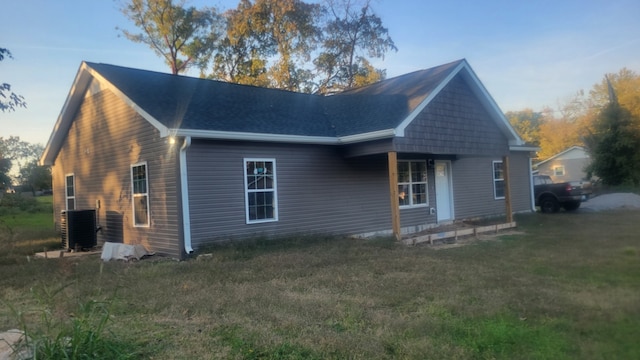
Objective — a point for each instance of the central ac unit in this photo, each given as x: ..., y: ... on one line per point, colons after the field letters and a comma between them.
x: 78, y: 229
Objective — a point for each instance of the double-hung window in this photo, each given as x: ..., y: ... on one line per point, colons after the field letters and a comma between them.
x: 70, y: 191
x: 558, y: 170
x: 412, y: 183
x: 140, y: 192
x: 261, y: 200
x: 498, y: 180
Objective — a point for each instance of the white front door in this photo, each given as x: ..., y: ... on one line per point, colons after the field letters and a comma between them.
x: 444, y: 198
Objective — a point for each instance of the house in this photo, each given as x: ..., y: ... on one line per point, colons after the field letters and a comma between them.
x: 175, y: 163
x: 567, y: 165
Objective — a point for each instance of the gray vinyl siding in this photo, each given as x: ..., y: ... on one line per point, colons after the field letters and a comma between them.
x: 319, y: 191
x: 573, y: 169
x: 454, y: 122
x: 105, y: 139
x: 473, y: 186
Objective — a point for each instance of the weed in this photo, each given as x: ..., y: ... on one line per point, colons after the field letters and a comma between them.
x: 82, y: 334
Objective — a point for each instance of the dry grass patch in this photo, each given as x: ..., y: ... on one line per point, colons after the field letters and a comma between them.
x: 568, y: 287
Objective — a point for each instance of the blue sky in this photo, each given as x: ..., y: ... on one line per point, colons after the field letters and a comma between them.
x: 528, y: 54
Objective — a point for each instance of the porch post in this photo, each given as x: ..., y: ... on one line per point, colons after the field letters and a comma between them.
x: 507, y: 189
x: 393, y: 192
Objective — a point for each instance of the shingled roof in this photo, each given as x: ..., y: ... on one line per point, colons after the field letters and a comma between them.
x: 203, y: 108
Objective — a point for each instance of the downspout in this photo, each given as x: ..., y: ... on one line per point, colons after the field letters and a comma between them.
x: 533, y: 201
x: 184, y: 187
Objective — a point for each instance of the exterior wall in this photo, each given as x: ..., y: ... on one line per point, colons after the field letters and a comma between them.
x: 319, y: 191
x: 455, y: 122
x: 105, y: 139
x: 574, y: 166
x: 473, y: 186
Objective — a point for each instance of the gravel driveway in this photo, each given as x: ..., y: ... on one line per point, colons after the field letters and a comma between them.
x: 611, y: 202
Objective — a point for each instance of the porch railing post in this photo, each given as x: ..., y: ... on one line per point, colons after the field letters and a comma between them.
x: 393, y: 193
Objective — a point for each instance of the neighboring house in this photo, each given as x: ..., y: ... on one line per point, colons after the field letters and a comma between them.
x: 175, y: 163
x: 567, y: 165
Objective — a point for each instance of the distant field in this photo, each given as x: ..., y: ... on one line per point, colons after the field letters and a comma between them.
x: 567, y: 288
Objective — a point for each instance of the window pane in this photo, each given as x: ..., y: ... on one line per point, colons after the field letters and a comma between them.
x: 497, y: 171
x: 70, y: 190
x: 403, y: 172
x: 418, y: 171
x: 403, y: 194
x: 141, y: 213
x: 499, y: 188
x: 419, y: 193
x: 71, y: 204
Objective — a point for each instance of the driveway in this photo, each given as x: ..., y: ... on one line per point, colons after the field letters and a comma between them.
x: 611, y: 202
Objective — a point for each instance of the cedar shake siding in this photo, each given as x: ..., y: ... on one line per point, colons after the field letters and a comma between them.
x: 105, y: 139
x: 454, y: 122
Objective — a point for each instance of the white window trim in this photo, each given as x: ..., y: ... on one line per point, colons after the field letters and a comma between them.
x: 133, y: 195
x: 247, y: 191
x: 493, y: 175
x: 556, y: 168
x: 66, y: 194
x: 410, y: 187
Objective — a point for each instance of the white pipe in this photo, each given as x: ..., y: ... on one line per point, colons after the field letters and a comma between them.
x: 184, y: 187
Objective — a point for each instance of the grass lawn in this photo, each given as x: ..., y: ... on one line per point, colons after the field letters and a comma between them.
x: 568, y: 288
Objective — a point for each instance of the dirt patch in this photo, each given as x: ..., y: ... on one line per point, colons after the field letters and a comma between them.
x: 468, y: 240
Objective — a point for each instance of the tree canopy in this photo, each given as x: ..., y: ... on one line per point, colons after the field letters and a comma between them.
x: 9, y: 101
x: 286, y: 44
x: 183, y: 36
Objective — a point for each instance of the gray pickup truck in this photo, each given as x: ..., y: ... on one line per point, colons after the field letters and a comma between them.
x: 550, y: 196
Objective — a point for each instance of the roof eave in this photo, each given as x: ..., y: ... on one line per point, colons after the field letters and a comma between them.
x: 281, y: 138
x: 72, y: 103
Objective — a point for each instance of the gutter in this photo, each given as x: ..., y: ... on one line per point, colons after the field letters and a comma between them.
x: 184, y: 187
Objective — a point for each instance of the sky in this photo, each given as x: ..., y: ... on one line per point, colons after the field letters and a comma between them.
x: 528, y: 54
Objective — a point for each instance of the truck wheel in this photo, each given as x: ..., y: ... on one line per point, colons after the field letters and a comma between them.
x: 549, y: 205
x: 571, y: 206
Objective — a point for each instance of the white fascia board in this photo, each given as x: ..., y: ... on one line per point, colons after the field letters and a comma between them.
x: 373, y: 135
x: 524, y: 148
x: 71, y: 103
x: 247, y: 136
x: 296, y: 139
x: 104, y: 83
x: 403, y: 125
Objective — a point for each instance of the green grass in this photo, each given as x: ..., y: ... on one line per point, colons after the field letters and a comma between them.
x: 567, y: 288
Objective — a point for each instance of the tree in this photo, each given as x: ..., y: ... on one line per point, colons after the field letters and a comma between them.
x: 35, y: 177
x: 615, y: 147
x: 614, y: 144
x: 267, y: 44
x: 5, y: 167
x: 9, y: 100
x: 184, y: 37
x: 627, y: 91
x: 19, y: 153
x: 527, y: 124
x: 352, y: 36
